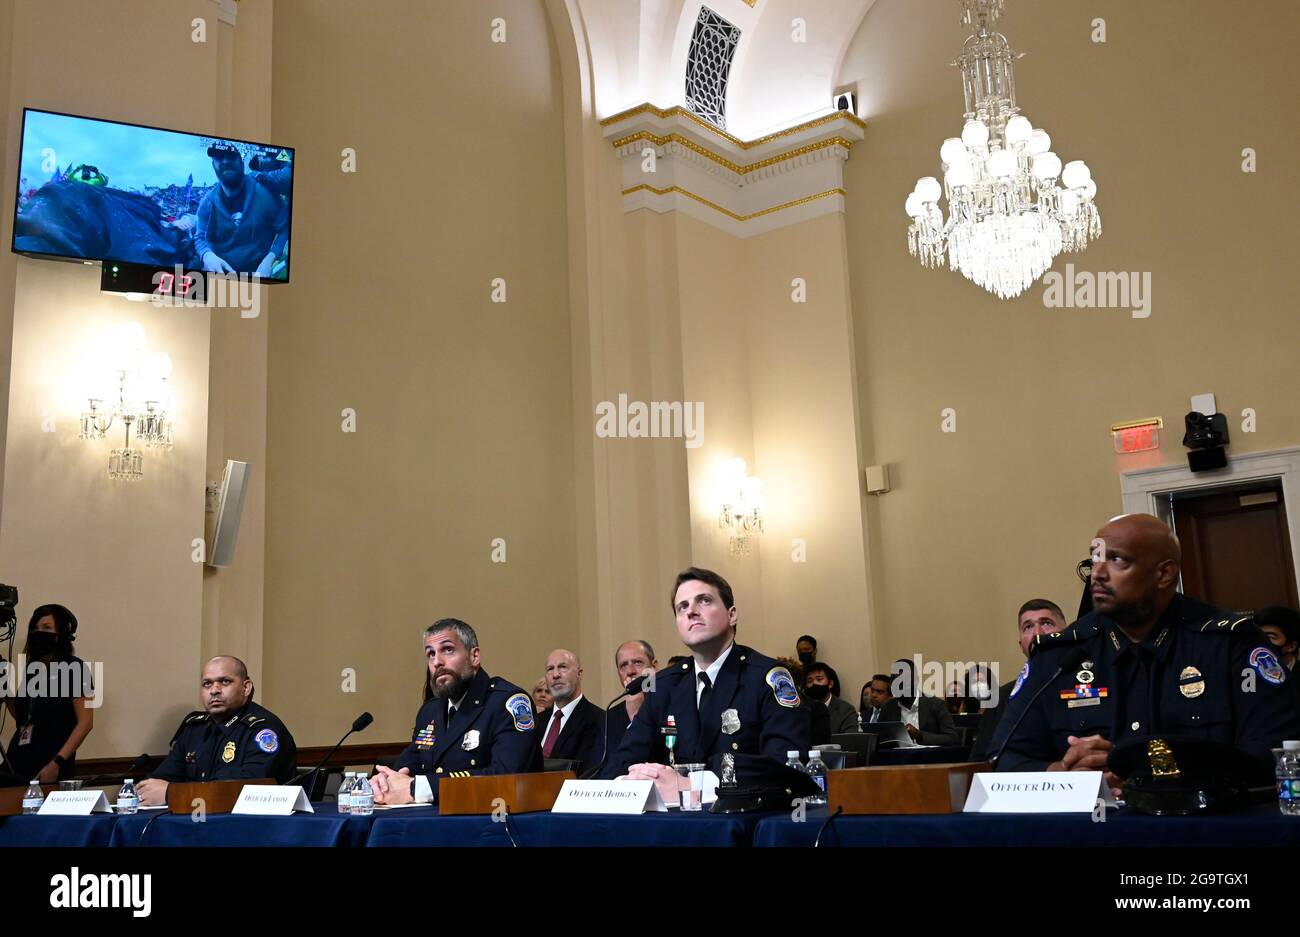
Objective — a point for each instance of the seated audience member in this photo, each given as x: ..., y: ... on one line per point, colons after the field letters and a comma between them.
x: 819, y: 684
x: 927, y: 719
x: 475, y: 724
x: 571, y: 728
x: 633, y: 660
x: 1281, y: 626
x: 980, y: 691
x: 231, y: 738
x: 805, y: 649
x: 49, y: 700
x: 876, y: 695
x: 954, y: 700
x: 725, y: 698
x: 1037, y: 616
x: 1147, y: 661
x: 541, y: 696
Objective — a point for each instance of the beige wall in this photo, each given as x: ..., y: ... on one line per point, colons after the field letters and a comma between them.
x: 463, y: 407
x: 1001, y: 510
x: 118, y: 555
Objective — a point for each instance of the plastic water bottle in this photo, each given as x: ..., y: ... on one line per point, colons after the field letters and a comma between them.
x: 363, y: 798
x: 345, y: 792
x: 792, y: 761
x: 1288, y: 778
x: 817, y: 771
x: 128, y: 801
x: 33, y: 798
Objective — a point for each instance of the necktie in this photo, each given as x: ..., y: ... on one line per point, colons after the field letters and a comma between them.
x: 706, y: 684
x: 552, y: 734
x: 875, y: 715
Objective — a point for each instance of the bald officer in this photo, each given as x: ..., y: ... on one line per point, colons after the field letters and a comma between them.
x: 231, y: 738
x: 727, y: 698
x: 1145, y: 661
x: 474, y: 724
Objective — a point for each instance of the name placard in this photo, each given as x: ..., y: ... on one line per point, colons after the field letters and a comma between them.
x: 608, y: 797
x: 74, y: 804
x: 1037, y: 792
x: 271, y: 800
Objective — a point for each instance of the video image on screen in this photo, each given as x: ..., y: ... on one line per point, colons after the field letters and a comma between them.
x: 100, y: 190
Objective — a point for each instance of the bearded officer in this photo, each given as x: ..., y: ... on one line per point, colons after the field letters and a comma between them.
x: 1146, y: 661
x: 728, y: 699
x: 231, y: 738
x: 474, y: 724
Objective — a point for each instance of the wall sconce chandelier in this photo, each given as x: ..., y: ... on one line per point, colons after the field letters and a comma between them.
x: 741, y: 516
x: 130, y: 388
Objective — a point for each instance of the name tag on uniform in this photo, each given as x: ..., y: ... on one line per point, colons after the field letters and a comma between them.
x: 1037, y: 792
x: 74, y: 804
x: 272, y: 801
x: 609, y: 797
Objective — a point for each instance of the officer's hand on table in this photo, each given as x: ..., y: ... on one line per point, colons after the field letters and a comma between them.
x: 392, y: 787
x: 152, y: 792
x: 1088, y: 753
x: 667, y: 781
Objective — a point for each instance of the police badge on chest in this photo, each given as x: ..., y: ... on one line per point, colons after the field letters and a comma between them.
x: 470, y: 741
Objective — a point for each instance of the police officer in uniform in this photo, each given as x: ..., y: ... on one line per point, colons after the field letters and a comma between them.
x: 727, y: 698
x: 1146, y: 661
x: 474, y: 724
x: 231, y: 738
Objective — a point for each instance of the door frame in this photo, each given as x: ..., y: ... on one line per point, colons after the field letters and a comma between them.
x: 1147, y: 490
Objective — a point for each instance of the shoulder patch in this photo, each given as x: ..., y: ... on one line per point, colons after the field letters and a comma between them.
x: 520, y: 708
x: 267, y: 741
x: 1020, y: 680
x: 782, y: 684
x: 1266, y: 664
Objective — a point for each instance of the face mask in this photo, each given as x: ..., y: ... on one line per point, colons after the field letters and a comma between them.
x: 40, y: 643
x: 818, y: 691
x: 806, y: 658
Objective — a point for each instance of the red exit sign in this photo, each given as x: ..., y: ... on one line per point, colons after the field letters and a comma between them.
x: 1138, y: 436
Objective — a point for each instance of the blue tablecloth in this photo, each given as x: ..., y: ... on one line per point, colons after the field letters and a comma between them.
x: 325, y: 827
x: 422, y: 826
x: 96, y: 830
x: 1261, y: 825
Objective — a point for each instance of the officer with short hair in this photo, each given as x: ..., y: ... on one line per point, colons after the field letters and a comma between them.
x: 474, y: 724
x: 1146, y: 662
x: 231, y: 738
x: 725, y: 698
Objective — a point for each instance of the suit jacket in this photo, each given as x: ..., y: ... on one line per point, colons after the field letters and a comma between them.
x: 934, y: 721
x: 983, y: 747
x: 580, y: 734
x: 844, y: 718
x: 766, y: 715
x: 491, y: 733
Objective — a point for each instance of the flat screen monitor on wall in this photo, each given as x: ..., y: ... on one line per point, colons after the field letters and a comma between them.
x: 101, y: 190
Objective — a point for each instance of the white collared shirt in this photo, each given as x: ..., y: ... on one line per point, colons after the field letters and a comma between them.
x: 712, y: 670
x: 564, y: 712
x: 911, y: 717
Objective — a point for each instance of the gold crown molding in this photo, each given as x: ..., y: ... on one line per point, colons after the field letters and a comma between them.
x: 678, y: 111
x: 738, y: 168
x: 731, y: 214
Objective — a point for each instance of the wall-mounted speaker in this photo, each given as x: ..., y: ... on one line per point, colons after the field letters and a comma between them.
x: 225, y: 529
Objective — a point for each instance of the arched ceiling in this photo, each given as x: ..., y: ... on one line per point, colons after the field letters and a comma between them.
x: 638, y: 52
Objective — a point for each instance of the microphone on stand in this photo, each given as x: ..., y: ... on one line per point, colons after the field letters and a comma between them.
x: 130, y: 772
x: 1069, y: 662
x: 635, y: 685
x: 358, y: 724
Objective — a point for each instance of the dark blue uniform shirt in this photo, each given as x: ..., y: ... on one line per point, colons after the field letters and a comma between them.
x: 249, y: 743
x: 1200, y: 672
x: 753, y: 709
x: 492, y: 732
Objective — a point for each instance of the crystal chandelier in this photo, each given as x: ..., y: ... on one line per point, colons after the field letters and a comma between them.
x: 1012, y: 207
x: 135, y: 394
x: 742, y: 507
